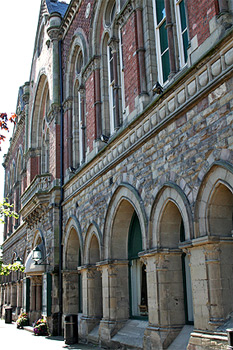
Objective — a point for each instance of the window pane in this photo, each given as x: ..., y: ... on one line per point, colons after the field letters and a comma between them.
x: 182, y: 16
x: 166, y: 65
x: 160, y: 10
x: 163, y: 37
x: 185, y: 43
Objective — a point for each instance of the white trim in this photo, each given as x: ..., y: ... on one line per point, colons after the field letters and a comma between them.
x: 158, y: 44
x: 180, y: 34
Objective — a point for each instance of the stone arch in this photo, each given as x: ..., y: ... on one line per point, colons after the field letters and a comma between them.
x: 125, y: 201
x: 214, y: 205
x: 171, y: 224
x: 78, y: 44
x: 39, y: 239
x: 92, y: 281
x: 72, y: 258
x: 93, y: 245
x: 72, y: 234
x: 170, y: 200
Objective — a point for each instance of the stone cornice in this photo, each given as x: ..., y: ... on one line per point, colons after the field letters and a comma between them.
x: 69, y: 16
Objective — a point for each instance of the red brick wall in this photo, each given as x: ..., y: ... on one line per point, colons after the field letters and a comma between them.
x: 90, y: 112
x: 80, y: 21
x: 34, y: 163
x: 130, y: 61
x: 200, y: 12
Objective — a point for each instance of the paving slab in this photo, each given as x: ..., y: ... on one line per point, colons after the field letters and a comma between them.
x: 12, y: 338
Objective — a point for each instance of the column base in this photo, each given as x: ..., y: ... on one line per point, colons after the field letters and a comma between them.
x: 86, y: 325
x: 107, y: 330
x: 160, y: 338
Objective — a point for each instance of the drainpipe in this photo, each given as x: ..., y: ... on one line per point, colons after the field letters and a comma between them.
x: 60, y: 286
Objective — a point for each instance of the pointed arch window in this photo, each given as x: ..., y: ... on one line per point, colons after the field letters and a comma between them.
x: 113, y: 72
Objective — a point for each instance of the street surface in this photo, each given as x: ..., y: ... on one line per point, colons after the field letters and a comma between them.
x: 12, y: 338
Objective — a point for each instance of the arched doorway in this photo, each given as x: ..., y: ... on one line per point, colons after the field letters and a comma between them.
x: 95, y: 307
x: 71, y: 280
x: 137, y: 271
x: 188, y: 295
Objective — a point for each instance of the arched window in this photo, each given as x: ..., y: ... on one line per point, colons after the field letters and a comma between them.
x: 137, y: 275
x: 79, y: 126
x: 113, y: 72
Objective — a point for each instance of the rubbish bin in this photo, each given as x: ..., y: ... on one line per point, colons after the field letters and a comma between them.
x: 230, y: 338
x: 8, y: 315
x: 71, y: 329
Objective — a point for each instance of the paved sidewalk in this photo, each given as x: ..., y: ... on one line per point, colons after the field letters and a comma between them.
x: 12, y: 338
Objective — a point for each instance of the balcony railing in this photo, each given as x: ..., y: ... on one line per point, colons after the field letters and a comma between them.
x: 40, y: 185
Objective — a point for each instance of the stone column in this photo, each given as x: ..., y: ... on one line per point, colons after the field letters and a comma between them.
x: 53, y: 32
x: 69, y: 132
x: 71, y: 292
x: 13, y: 294
x: 115, y: 290
x: 141, y: 51
x: 170, y: 36
x: 215, y: 288
x: 33, y: 295
x: 19, y: 296
x: 165, y: 297
x: 39, y: 296
x: 92, y: 298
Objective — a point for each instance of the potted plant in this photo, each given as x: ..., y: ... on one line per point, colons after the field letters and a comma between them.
x: 22, y: 320
x: 41, y: 327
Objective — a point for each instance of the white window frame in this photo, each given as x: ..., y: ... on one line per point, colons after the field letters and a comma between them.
x: 180, y: 33
x: 158, y: 44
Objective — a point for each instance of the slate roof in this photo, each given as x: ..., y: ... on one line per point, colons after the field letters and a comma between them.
x: 57, y: 6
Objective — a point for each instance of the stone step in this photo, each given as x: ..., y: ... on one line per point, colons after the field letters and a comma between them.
x: 181, y: 341
x: 131, y: 335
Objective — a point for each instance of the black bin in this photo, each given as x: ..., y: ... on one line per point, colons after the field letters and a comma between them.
x: 8, y: 315
x: 230, y: 338
x: 71, y: 329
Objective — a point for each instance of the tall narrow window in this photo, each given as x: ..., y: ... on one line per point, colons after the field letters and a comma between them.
x: 112, y: 101
x: 82, y: 128
x: 122, y: 72
x: 161, y: 41
x: 182, y: 31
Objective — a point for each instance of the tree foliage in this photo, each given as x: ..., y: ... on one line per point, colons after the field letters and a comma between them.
x: 4, y: 123
x: 6, y: 210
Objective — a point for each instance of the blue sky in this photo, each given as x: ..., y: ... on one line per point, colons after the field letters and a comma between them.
x: 18, y: 21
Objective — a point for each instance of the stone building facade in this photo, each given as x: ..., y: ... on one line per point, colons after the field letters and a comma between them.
x: 121, y: 167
